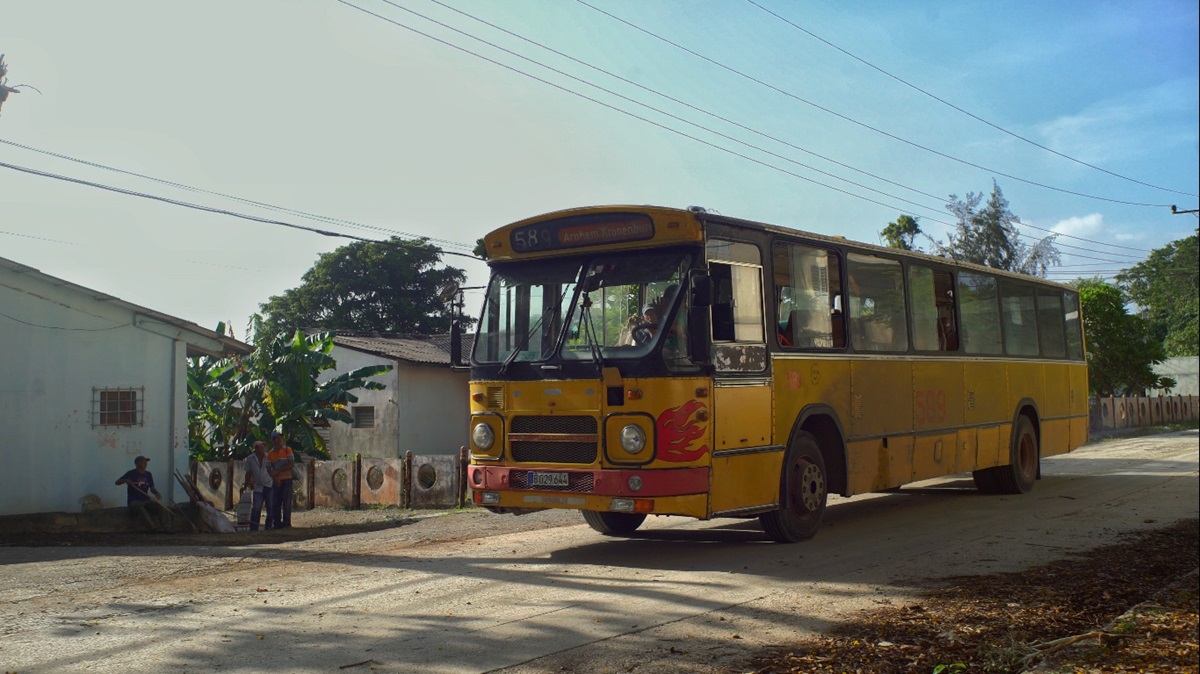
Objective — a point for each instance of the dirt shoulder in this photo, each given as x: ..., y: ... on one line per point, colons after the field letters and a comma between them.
x: 1128, y: 607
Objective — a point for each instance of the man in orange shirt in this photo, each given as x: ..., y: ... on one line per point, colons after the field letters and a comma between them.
x: 280, y: 461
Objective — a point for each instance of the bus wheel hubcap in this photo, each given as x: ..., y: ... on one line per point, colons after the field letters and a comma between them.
x: 812, y: 486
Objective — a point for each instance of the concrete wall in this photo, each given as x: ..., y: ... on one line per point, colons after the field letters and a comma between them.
x: 382, y: 441
x: 1185, y: 370
x: 423, y: 410
x: 434, y: 409
x: 56, y: 344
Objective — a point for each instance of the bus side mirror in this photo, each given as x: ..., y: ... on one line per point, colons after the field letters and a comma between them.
x: 700, y: 288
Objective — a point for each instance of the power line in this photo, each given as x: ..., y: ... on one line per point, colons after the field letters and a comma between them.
x: 858, y: 123
x: 965, y: 112
x: 230, y: 196
x: 624, y: 112
x: 658, y: 110
x: 676, y: 100
x: 209, y: 209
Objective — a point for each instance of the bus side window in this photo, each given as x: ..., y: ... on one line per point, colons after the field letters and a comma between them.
x: 878, y: 320
x: 808, y: 304
x: 722, y: 304
x: 932, y: 309
x: 978, y: 299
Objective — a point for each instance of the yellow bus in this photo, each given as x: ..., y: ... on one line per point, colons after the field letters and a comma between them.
x: 633, y: 361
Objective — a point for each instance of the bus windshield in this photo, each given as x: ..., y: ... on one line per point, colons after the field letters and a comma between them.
x: 610, y: 306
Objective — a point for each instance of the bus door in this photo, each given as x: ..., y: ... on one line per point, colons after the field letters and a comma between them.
x: 745, y: 459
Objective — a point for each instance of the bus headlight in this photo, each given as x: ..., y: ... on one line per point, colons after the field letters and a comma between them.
x: 633, y: 439
x: 483, y: 436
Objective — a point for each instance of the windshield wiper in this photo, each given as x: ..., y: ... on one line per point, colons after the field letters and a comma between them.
x: 512, y: 357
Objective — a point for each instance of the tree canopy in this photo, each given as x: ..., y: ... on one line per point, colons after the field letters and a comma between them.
x: 987, y: 234
x: 233, y: 401
x: 1165, y: 286
x: 1120, y: 349
x: 389, y: 286
x: 902, y: 233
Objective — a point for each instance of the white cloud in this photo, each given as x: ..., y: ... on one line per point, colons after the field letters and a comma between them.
x: 1085, y: 226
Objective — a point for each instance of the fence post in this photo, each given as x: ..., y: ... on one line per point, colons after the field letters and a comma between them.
x: 462, y: 477
x: 407, y: 480
x: 356, y: 491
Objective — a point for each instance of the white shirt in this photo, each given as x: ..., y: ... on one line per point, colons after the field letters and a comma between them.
x: 257, y: 468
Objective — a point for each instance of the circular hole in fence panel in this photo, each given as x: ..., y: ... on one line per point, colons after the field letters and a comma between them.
x: 375, y: 478
x: 339, y: 481
x: 214, y: 479
x: 426, y: 476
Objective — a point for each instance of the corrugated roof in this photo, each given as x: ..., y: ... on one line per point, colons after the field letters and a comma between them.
x: 418, y: 349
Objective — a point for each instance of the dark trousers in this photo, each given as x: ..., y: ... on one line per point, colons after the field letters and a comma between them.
x: 155, y: 517
x: 280, y: 513
x: 260, y: 499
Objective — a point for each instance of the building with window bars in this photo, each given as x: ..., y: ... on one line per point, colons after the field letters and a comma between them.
x: 411, y: 413
x: 87, y: 383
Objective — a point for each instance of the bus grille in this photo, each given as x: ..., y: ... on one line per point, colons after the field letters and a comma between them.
x: 580, y: 483
x: 546, y: 448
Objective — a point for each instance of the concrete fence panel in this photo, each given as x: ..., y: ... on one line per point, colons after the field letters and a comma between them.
x: 434, y: 482
x: 215, y: 481
x: 382, y: 482
x: 1142, y: 417
x: 334, y: 483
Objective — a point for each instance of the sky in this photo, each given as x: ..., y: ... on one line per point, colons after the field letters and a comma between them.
x: 448, y: 119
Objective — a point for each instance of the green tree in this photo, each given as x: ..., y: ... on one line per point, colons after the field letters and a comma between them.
x: 390, y: 286
x: 233, y: 401
x: 988, y: 235
x: 902, y: 233
x: 1165, y: 286
x: 1120, y: 349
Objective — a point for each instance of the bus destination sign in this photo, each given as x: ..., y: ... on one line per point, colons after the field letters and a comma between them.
x: 587, y: 230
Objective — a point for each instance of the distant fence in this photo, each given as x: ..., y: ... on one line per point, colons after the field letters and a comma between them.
x: 411, y: 482
x: 1113, y: 413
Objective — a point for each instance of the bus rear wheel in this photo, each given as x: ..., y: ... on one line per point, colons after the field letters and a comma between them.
x: 1023, y: 464
x: 803, y: 492
x: 613, y: 524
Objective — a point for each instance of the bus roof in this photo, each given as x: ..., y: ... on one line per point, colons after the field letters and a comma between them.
x: 625, y: 227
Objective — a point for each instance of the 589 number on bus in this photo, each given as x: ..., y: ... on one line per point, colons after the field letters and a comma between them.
x: 529, y: 239
x: 929, y: 406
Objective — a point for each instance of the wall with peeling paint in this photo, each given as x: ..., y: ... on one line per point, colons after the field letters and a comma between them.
x: 57, y: 343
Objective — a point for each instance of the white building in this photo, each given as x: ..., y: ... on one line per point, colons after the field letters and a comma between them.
x: 423, y: 409
x: 87, y: 383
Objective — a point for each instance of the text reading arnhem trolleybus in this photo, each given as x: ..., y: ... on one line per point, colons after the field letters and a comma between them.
x: 635, y: 361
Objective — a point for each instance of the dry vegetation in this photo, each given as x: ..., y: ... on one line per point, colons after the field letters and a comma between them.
x: 1129, y: 607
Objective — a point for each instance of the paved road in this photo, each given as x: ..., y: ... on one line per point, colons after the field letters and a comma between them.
x: 474, y: 592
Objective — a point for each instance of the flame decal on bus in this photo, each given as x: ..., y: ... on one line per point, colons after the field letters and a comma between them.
x: 677, y: 430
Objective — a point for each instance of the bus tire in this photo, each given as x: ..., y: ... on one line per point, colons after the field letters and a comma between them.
x: 803, y: 492
x: 614, y: 524
x: 1024, y: 464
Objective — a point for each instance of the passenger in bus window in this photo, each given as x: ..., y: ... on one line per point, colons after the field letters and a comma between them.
x: 947, y: 335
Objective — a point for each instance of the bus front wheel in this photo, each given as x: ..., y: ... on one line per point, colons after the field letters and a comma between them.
x: 613, y: 524
x: 1023, y: 464
x: 803, y: 492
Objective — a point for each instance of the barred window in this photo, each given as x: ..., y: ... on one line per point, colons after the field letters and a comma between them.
x: 364, y: 417
x: 118, y: 406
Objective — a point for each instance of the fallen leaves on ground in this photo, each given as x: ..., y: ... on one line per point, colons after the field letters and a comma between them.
x: 1128, y: 607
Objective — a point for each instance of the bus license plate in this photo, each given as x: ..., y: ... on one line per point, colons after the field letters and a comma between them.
x: 548, y: 479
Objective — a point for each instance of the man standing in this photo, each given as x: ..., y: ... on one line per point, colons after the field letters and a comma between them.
x: 281, y: 460
x: 259, y: 478
x: 139, y: 485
